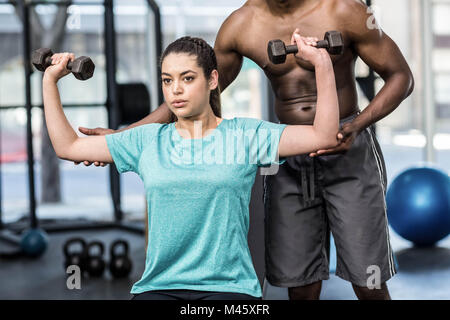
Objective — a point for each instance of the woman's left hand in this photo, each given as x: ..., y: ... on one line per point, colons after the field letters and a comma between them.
x: 58, y: 69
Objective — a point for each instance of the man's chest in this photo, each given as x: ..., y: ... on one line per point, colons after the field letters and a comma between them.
x: 252, y: 42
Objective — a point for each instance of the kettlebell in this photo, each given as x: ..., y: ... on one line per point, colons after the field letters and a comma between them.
x: 95, y: 264
x: 120, y: 264
x: 75, y: 257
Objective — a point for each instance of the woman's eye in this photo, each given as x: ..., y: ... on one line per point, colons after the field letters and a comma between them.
x: 188, y: 79
x: 166, y: 81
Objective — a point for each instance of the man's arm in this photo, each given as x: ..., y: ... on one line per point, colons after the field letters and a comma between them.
x: 229, y: 60
x: 381, y: 54
x: 161, y: 115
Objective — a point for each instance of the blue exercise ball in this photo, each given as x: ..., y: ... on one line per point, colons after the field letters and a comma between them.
x: 418, y: 205
x: 34, y: 242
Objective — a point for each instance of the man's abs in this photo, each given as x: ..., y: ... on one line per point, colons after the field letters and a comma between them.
x: 301, y: 109
x: 296, y: 96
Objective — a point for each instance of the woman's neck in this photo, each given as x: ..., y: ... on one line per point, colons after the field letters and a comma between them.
x: 196, y: 128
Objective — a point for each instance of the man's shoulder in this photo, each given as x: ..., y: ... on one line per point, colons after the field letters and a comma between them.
x: 349, y: 10
x: 358, y: 19
x: 234, y: 31
x: 347, y: 6
x: 231, y: 30
x: 241, y: 16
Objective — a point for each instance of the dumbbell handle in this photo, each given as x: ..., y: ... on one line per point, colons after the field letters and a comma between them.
x: 48, y: 62
x: 294, y: 49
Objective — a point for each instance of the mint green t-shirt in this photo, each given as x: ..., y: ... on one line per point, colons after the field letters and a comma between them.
x: 198, y: 193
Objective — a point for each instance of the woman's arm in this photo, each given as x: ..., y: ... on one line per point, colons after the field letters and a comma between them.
x: 65, y: 141
x: 303, y: 139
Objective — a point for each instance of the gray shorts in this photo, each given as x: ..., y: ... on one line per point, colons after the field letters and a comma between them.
x: 308, y: 197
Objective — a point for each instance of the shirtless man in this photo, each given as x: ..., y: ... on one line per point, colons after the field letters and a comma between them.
x: 342, y: 189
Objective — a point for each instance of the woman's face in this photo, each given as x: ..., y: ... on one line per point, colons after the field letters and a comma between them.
x: 185, y: 88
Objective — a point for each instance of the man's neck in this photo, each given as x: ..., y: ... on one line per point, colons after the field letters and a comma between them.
x: 286, y: 6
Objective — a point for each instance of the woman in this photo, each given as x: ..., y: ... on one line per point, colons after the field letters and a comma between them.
x: 198, y: 171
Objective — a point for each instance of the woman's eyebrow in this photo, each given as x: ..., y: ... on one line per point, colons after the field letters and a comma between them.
x: 181, y: 74
x: 187, y: 71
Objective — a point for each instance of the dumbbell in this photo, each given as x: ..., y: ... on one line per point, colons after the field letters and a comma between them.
x: 82, y: 67
x: 332, y: 41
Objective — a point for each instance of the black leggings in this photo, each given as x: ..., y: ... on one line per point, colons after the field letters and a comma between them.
x: 191, y: 295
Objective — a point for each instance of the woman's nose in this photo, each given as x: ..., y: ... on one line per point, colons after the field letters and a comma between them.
x: 177, y: 87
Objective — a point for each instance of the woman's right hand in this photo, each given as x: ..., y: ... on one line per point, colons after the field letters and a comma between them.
x: 307, y: 50
x: 58, y: 69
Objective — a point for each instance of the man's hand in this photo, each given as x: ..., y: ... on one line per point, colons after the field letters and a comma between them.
x: 94, y: 132
x: 345, y: 136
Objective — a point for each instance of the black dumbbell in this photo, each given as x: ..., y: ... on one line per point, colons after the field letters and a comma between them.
x: 82, y: 67
x: 75, y: 256
x: 95, y: 264
x: 277, y: 50
x: 120, y: 264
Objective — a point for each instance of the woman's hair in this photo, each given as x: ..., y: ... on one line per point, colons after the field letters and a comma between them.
x: 206, y: 59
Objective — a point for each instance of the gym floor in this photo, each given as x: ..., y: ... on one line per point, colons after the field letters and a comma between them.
x: 423, y: 273
x: 45, y: 277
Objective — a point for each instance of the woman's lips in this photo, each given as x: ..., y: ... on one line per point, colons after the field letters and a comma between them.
x: 179, y: 103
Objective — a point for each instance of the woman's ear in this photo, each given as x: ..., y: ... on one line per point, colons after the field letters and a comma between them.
x: 213, y: 80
